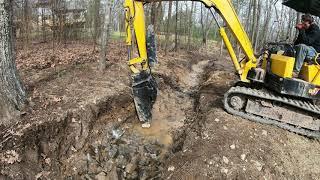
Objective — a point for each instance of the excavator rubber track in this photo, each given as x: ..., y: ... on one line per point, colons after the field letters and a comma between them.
x: 236, y: 102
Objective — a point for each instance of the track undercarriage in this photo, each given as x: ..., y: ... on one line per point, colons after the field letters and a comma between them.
x: 264, y: 106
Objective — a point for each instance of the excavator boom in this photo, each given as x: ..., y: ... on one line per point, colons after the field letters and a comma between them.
x: 278, y: 101
x: 143, y: 84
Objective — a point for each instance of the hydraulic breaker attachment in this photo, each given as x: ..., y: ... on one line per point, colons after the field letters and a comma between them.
x: 145, y: 91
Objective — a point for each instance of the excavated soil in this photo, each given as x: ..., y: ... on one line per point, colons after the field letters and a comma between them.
x: 81, y: 123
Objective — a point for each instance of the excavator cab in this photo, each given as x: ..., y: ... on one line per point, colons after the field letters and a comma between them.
x: 279, y: 63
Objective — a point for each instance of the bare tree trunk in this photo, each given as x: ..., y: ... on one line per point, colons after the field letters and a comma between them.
x: 204, y: 41
x: 167, y: 28
x: 12, y: 93
x: 254, y: 20
x: 44, y: 36
x: 176, y: 28
x: 153, y: 13
x: 105, y: 37
x: 158, y: 16
x: 257, y: 29
x: 267, y: 22
x: 26, y: 23
x: 96, y: 22
x: 190, y: 25
x: 248, y: 16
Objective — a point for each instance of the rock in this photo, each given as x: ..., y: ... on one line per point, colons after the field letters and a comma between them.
x: 264, y: 132
x: 117, y: 133
x: 216, y: 120
x: 224, y: 170
x: 153, y: 156
x: 258, y: 165
x: 243, y: 157
x: 130, y: 168
x: 244, y: 169
x: 47, y: 161
x: 225, y: 128
x: 171, y: 168
x: 108, y: 165
x: 232, y: 146
x: 113, y: 151
x: 205, y: 135
x: 121, y: 161
x: 210, y: 162
x: 225, y: 159
x: 101, y: 176
x: 133, y: 175
x: 112, y: 175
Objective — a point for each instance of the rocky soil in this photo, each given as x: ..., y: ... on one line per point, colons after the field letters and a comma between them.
x: 81, y: 123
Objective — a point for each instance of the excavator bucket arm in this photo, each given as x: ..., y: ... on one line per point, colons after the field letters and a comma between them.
x: 143, y: 84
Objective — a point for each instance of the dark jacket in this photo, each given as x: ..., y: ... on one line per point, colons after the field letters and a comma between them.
x: 310, y: 37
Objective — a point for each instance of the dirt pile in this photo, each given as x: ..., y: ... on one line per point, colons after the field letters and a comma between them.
x: 82, y: 124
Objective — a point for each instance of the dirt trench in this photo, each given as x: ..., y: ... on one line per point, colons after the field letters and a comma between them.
x: 104, y: 140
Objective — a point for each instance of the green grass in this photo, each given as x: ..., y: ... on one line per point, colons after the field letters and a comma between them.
x: 118, y: 35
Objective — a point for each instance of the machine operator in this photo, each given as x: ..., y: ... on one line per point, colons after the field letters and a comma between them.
x: 307, y: 45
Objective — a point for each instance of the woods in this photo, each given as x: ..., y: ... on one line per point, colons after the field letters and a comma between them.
x: 178, y: 25
x: 184, y: 23
x: 72, y: 85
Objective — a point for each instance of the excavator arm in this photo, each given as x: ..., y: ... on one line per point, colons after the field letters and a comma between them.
x: 143, y: 84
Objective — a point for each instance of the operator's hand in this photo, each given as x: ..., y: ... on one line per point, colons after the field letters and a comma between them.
x: 300, y: 26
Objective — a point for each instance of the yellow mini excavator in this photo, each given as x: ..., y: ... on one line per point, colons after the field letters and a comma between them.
x: 266, y: 92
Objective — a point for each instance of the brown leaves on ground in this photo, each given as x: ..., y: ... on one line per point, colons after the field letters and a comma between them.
x: 48, y: 55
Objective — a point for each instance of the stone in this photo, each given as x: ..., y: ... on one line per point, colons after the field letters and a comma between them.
x: 146, y: 125
x: 258, y: 165
x: 113, y: 151
x: 243, y: 157
x: 153, y: 156
x: 232, y: 146
x: 121, y: 161
x: 264, y: 132
x: 171, y: 168
x: 224, y: 170
x: 130, y: 168
x: 112, y: 175
x: 101, y: 176
x: 216, y: 120
x: 117, y: 133
x: 205, y: 135
x: 225, y: 127
x: 225, y: 159
x: 108, y: 165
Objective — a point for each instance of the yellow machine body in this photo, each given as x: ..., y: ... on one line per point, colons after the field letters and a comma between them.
x: 311, y: 73
x: 282, y: 65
